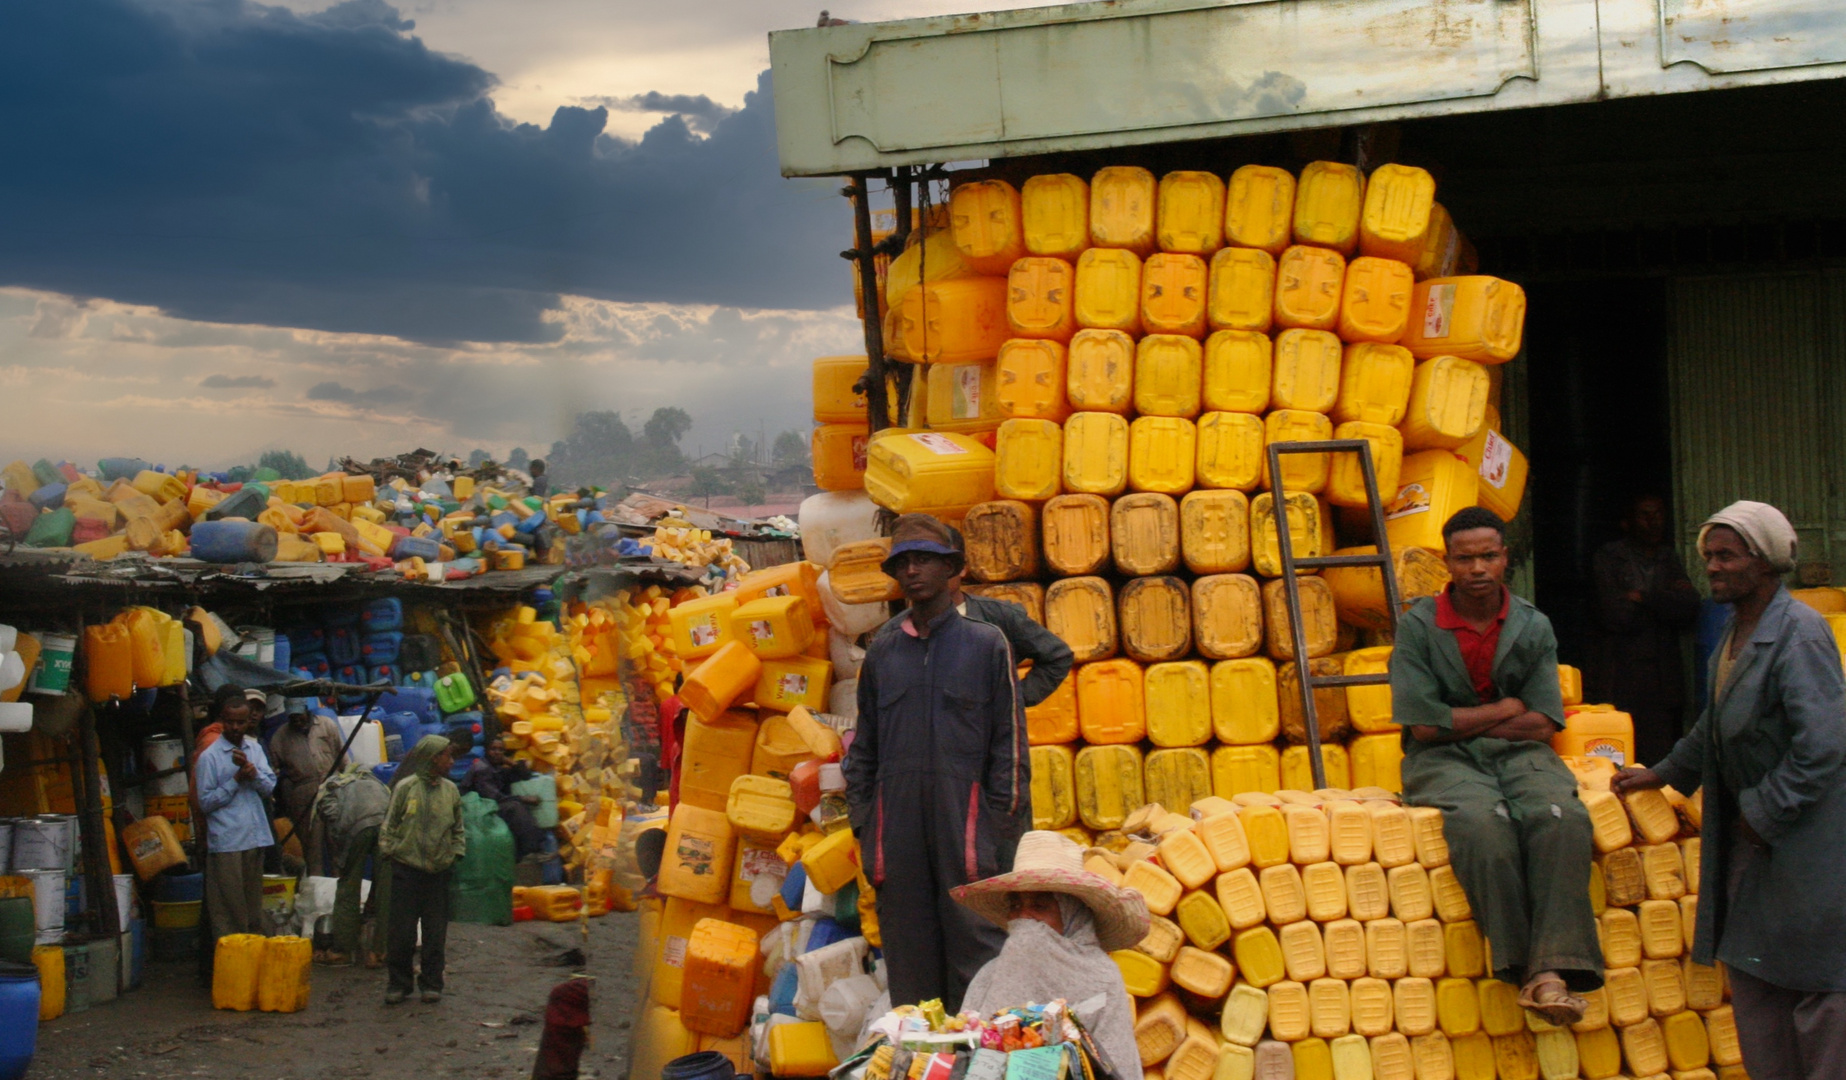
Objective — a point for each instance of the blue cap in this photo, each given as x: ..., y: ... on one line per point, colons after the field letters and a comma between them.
x: 931, y: 547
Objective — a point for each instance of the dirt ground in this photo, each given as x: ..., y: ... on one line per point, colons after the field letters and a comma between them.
x: 487, y: 1024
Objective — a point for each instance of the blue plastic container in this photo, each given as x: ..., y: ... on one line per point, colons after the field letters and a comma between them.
x: 406, y: 727
x: 170, y: 888
x: 825, y: 933
x: 380, y: 615
x: 782, y: 990
x: 704, y: 1065
x: 416, y: 547
x: 412, y: 699
x: 381, y: 673
x: 794, y: 885
x: 381, y: 647
x: 285, y: 654
x: 233, y: 540
x: 306, y: 639
x: 19, y: 992
x: 120, y: 468
x: 385, y: 772
x: 49, y: 497
x: 419, y: 680
x: 342, y: 646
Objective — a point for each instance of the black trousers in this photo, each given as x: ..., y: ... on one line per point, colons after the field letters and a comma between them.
x: 527, y: 836
x: 417, y: 897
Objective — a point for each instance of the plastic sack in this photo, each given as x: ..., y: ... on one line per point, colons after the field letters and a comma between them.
x: 481, y: 890
x: 545, y: 786
x: 822, y: 968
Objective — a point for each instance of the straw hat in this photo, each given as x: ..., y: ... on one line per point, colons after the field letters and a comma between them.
x: 1051, y: 862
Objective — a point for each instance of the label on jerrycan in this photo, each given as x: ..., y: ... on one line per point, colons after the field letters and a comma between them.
x: 1438, y: 310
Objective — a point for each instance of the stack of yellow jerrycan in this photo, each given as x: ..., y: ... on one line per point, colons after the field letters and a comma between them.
x: 760, y: 803
x: 1097, y: 367
x: 1323, y: 935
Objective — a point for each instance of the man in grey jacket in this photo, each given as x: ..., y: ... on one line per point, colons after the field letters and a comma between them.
x: 1770, y: 755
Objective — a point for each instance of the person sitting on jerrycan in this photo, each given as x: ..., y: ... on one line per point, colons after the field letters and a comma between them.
x: 938, y: 778
x: 1474, y: 682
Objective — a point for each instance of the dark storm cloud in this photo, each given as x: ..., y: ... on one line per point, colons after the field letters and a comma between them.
x: 231, y: 162
x: 333, y: 391
x: 237, y: 382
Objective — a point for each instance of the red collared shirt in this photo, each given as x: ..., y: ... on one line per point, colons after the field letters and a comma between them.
x: 1477, y: 647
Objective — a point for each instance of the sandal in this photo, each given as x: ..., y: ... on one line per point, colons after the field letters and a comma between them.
x: 328, y: 956
x: 1549, y: 998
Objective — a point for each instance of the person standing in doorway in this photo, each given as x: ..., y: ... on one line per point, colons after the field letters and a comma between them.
x: 938, y: 778
x: 1474, y: 682
x: 1769, y: 753
x: 233, y: 777
x: 421, y: 839
x: 1644, y: 605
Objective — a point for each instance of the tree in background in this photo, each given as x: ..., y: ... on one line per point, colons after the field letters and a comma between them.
x: 666, y: 428
x: 790, y: 450
x: 287, y: 464
x: 750, y: 491
x: 599, y: 450
x: 707, y: 482
x: 519, y: 459
x: 476, y: 457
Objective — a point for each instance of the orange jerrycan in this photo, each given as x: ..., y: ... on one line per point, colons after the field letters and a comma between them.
x: 1029, y: 378
x: 955, y: 322
x: 1040, y: 298
x: 725, y: 677
x: 1173, y: 294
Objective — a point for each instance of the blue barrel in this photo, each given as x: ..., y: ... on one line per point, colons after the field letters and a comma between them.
x: 416, y: 547
x: 18, y: 1018
x: 704, y: 1065
x: 179, y: 888
x: 233, y: 540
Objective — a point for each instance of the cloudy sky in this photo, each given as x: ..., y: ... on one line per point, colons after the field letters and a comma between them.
x: 357, y: 228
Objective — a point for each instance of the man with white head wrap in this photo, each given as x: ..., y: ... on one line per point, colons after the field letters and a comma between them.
x: 1770, y: 755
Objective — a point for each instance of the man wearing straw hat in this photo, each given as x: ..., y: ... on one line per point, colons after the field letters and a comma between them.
x: 938, y: 778
x: 1062, y: 922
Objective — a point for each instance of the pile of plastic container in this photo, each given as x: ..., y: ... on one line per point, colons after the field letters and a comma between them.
x: 760, y: 949
x: 1098, y: 368
x: 440, y: 530
x: 1324, y: 935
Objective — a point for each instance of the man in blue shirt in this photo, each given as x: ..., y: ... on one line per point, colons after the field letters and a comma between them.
x: 232, y: 778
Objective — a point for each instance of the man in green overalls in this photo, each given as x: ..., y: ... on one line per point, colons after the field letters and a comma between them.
x: 1474, y: 682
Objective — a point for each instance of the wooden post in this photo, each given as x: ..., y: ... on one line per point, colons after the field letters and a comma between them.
x: 877, y: 407
x: 95, y: 836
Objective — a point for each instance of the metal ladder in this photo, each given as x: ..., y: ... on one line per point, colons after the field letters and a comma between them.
x: 1291, y: 587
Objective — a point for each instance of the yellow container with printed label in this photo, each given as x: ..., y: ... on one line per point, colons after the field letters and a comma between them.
x: 1433, y: 485
x: 1240, y: 292
x: 1230, y: 450
x: 1029, y: 460
x: 1503, y: 470
x: 933, y: 472
x: 963, y: 397
x: 773, y: 627
x: 1173, y: 294
x: 696, y: 864
x: 1056, y: 211
x: 794, y: 681
x: 1308, y: 285
x: 1040, y: 299
x: 1214, y: 531
x: 1095, y: 453
x: 1029, y: 380
x: 839, y: 456
x: 1477, y: 317
x: 1108, y: 290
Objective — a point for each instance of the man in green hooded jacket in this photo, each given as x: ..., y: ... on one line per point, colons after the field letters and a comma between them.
x: 1474, y: 683
x: 421, y: 839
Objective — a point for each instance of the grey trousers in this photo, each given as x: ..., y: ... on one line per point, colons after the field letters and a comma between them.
x: 234, y: 892
x: 1786, y: 1034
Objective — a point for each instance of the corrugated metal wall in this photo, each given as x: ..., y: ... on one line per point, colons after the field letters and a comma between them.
x: 1757, y: 381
